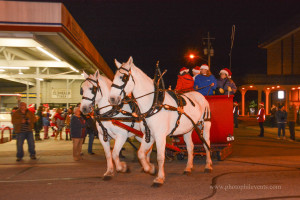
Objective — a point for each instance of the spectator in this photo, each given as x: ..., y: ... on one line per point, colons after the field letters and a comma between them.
x: 60, y: 123
x: 196, y: 71
x: 14, y: 109
x: 91, y: 131
x: 46, y: 122
x: 53, y: 123
x: 261, y: 117
x: 225, y: 84
x: 273, y: 115
x: 77, y: 128
x: 38, y: 125
x: 236, y: 113
x: 281, y: 117
x: 67, y: 122
x: 291, y: 117
x: 23, y: 121
x: 185, y: 81
x: 205, y: 82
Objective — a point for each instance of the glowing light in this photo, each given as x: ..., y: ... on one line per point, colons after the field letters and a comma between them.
x: 278, y: 86
x: 192, y: 56
x: 47, y: 53
x: 72, y: 68
x: 20, y: 72
x: 268, y: 88
x: 39, y: 79
x: 280, y: 94
x: 273, y: 87
x: 298, y: 88
x: 18, y: 42
x: 243, y: 88
x: 251, y: 86
x: 293, y: 88
x: 2, y: 70
x: 6, y: 67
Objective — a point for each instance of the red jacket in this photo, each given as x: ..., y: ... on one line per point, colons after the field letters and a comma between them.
x: 185, y: 82
x: 261, y: 117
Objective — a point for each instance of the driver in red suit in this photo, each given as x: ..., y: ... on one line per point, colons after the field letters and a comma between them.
x: 261, y: 117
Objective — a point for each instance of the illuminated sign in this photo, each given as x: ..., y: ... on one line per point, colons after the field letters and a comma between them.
x: 280, y: 94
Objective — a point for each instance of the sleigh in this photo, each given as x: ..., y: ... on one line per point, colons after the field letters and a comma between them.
x: 221, y: 132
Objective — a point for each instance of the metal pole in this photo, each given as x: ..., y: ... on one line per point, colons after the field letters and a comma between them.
x: 27, y: 93
x: 67, y: 93
x: 208, y: 44
x: 38, y: 89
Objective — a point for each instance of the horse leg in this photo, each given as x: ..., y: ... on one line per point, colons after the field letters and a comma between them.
x: 144, y: 149
x: 190, y: 149
x: 110, y: 166
x: 206, y: 135
x: 161, y: 148
x: 119, y: 142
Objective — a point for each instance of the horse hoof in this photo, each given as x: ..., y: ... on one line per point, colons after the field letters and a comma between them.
x: 128, y: 170
x: 153, y: 173
x: 107, y: 178
x: 187, y: 173
x: 206, y: 170
x: 156, y: 185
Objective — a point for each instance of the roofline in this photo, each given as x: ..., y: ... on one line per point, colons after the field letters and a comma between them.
x: 63, y: 23
x: 273, y: 40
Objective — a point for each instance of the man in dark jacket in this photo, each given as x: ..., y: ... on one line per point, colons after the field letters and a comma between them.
x: 281, y: 116
x: 91, y: 131
x: 23, y: 121
x: 292, y: 117
x: 77, y: 130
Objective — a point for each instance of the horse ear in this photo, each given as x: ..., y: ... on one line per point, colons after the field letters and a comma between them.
x: 118, y: 64
x: 130, y: 60
x: 85, y: 75
x: 96, y: 75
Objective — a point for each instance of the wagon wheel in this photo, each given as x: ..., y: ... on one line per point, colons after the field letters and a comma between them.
x: 180, y: 156
x: 219, y: 155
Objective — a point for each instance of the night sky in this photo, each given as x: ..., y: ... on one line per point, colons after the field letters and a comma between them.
x: 166, y: 30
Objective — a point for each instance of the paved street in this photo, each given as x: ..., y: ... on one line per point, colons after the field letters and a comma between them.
x: 259, y: 168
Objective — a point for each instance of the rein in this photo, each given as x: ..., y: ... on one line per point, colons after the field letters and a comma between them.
x: 157, y: 105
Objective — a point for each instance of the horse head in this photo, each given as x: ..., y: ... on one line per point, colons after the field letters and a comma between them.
x: 89, y: 90
x: 123, y: 83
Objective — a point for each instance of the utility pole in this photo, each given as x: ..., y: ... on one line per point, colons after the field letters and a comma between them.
x: 208, y: 50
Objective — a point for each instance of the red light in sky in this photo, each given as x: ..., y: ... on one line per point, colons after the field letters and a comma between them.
x: 191, y: 56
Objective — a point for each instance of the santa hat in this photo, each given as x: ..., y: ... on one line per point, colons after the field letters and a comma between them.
x: 31, y: 105
x: 261, y: 104
x: 184, y: 70
x: 227, y: 72
x: 196, y: 69
x: 204, y: 67
x: 46, y: 105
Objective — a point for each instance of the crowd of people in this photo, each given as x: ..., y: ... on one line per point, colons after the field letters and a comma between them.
x: 205, y: 82
x: 76, y: 126
x: 280, y: 117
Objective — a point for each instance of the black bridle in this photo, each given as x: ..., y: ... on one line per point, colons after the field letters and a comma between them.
x: 125, y: 78
x: 93, y: 89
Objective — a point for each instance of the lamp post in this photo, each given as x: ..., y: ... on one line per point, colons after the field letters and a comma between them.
x: 208, y: 50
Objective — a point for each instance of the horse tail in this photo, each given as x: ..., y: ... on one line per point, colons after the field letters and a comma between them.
x: 206, y: 114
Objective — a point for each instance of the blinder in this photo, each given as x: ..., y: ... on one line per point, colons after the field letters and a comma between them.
x: 93, y: 90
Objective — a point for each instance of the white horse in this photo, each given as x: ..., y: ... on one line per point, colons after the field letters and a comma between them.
x: 95, y: 89
x: 162, y: 123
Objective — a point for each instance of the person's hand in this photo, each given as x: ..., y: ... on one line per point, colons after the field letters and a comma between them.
x: 221, y: 90
x: 212, y: 84
x: 196, y: 87
x: 229, y: 89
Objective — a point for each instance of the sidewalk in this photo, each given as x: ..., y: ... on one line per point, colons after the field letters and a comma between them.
x: 274, y: 131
